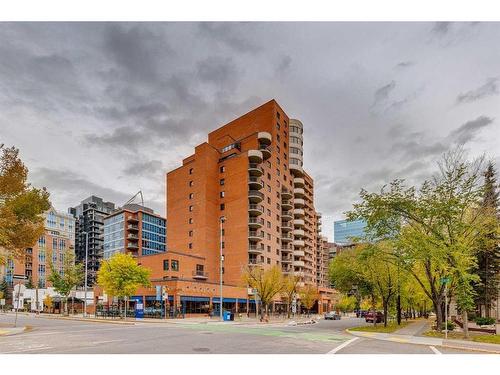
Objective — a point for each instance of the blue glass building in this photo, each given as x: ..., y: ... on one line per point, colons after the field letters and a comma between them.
x: 344, y: 231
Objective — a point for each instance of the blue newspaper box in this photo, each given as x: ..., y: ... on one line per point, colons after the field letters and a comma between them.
x: 226, y: 316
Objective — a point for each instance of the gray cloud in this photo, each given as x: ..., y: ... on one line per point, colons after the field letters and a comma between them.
x: 488, y: 89
x: 144, y: 168
x: 405, y: 64
x: 467, y: 132
x: 383, y: 92
x: 233, y: 35
x: 217, y: 70
x: 441, y: 28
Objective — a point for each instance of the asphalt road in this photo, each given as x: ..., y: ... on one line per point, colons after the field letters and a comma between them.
x: 66, y: 336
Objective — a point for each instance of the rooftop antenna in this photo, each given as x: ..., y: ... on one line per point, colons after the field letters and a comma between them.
x: 135, y: 196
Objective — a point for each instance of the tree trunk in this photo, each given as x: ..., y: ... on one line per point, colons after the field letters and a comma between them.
x: 398, y: 308
x: 373, y: 311
x: 465, y: 318
x: 386, y: 308
x: 439, y: 314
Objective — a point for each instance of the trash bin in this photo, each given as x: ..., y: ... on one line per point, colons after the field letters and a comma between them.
x: 226, y: 316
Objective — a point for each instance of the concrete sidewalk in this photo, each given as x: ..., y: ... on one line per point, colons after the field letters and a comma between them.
x: 430, y: 341
x: 414, y: 328
x: 9, y: 331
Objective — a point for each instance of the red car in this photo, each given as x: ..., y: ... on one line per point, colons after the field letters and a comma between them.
x: 369, y: 317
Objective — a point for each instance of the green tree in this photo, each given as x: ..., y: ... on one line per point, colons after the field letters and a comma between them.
x: 437, y: 225
x: 289, y: 290
x: 488, y: 257
x: 267, y: 282
x: 346, y: 303
x: 121, y: 276
x: 21, y: 207
x: 64, y: 280
x: 29, y: 284
x: 4, y: 288
x: 308, y: 296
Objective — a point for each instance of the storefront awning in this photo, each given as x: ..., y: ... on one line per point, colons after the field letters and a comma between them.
x: 194, y: 299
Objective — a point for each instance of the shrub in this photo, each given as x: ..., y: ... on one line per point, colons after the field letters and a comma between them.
x: 485, y: 321
x: 450, y: 326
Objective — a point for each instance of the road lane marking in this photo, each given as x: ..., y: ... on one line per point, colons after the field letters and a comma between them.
x: 435, y: 350
x: 342, y: 346
x: 28, y: 350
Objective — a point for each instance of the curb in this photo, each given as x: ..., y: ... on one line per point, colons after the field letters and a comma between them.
x: 7, y: 333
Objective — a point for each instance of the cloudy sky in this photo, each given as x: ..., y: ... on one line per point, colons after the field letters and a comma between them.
x: 108, y: 108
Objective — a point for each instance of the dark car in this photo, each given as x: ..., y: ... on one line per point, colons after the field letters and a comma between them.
x: 332, y: 315
x: 361, y: 313
x: 369, y: 317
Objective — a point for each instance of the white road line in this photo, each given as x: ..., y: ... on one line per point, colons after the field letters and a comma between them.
x: 435, y: 350
x: 342, y: 346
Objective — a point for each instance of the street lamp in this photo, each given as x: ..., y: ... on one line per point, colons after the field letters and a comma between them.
x: 86, y: 271
x: 221, y: 260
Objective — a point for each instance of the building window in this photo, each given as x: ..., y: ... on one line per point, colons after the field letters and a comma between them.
x: 222, y: 207
x: 223, y: 244
x: 190, y: 245
x: 278, y: 125
x: 269, y: 236
x: 221, y: 182
x: 268, y: 260
x: 278, y: 115
x: 222, y: 194
x: 190, y: 233
x: 268, y: 200
x: 190, y: 208
x: 268, y: 163
x: 165, y: 265
x: 278, y: 137
x: 190, y: 220
x: 269, y: 176
x: 269, y: 224
x: 191, y: 195
x: 268, y: 249
x: 175, y: 265
x: 268, y: 212
x: 190, y: 170
x: 190, y: 183
x: 222, y: 169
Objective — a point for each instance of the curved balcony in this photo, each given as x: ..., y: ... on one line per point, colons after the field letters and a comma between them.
x: 299, y: 243
x: 298, y: 263
x: 298, y: 233
x: 132, y: 228
x: 264, y: 138
x: 132, y: 219
x: 255, y: 223
x: 299, y: 253
x: 299, y: 223
x: 255, y: 209
x: 298, y: 212
x: 286, y: 205
x: 255, y: 262
x: 286, y: 227
x: 298, y: 182
x: 255, y: 156
x: 265, y: 151
x: 255, y: 170
x: 286, y: 259
x: 299, y: 192
x: 286, y: 237
x: 296, y: 170
x: 286, y: 193
x: 254, y: 249
x: 254, y: 235
x: 254, y: 183
x: 287, y: 215
x: 299, y: 203
x: 286, y: 249
x: 255, y: 196
x: 202, y: 275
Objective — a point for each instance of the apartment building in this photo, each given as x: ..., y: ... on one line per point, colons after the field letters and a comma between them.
x: 134, y: 229
x: 51, y: 247
x: 89, y: 215
x: 249, y: 172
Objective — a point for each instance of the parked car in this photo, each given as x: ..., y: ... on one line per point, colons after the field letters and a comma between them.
x: 361, y: 313
x: 332, y: 315
x: 369, y: 317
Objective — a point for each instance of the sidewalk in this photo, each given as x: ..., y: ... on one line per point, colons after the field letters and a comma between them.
x: 408, y: 335
x: 9, y: 331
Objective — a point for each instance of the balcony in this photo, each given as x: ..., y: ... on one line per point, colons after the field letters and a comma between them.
x: 299, y: 243
x: 299, y: 192
x: 286, y: 215
x: 254, y: 235
x: 255, y: 223
x: 299, y: 223
x: 133, y: 246
x: 286, y: 249
x: 255, y: 156
x: 132, y: 219
x: 255, y: 209
x: 200, y: 275
x: 255, y: 170
x: 286, y: 205
x: 299, y: 253
x: 298, y: 212
x: 298, y: 182
x: 286, y: 226
x: 298, y: 263
x: 299, y: 203
x: 254, y: 183
x: 255, y: 262
x: 255, y: 196
x: 296, y: 170
x: 298, y: 233
x: 286, y: 237
x: 254, y: 249
x: 265, y: 151
x: 286, y: 193
x: 132, y: 237
x: 286, y: 259
x: 264, y: 138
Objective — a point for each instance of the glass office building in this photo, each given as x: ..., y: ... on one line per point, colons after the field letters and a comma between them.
x: 344, y: 231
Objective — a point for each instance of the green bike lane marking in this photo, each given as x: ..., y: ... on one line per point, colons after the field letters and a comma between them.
x: 311, y: 336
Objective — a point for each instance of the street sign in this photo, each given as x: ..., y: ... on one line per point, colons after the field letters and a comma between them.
x: 445, y: 280
x: 2, y: 302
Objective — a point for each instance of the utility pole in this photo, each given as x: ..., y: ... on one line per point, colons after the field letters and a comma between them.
x: 222, y: 219
x: 446, y: 310
x: 86, y: 273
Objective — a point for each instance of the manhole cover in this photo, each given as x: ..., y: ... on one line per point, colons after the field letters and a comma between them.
x: 201, y: 350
